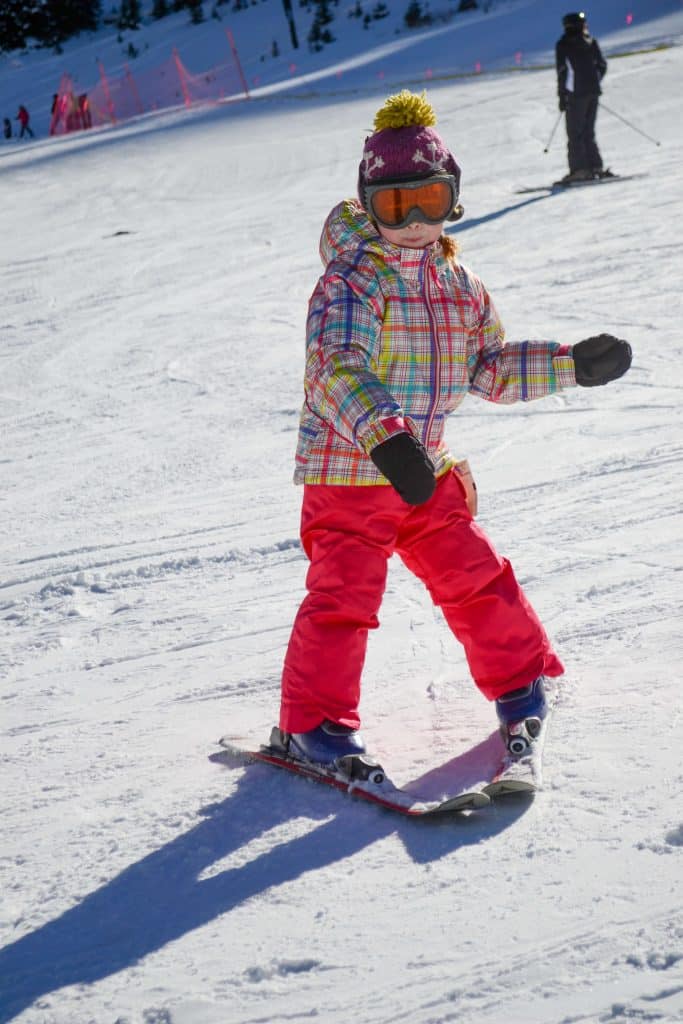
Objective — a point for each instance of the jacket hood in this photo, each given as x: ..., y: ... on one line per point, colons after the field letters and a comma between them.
x: 348, y: 229
x: 349, y: 233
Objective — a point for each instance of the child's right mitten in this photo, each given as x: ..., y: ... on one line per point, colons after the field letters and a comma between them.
x: 403, y: 460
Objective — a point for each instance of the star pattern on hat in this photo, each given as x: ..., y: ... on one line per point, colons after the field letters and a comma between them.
x: 434, y: 162
x: 371, y: 163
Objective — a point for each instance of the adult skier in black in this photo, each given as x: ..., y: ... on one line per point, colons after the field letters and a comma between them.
x: 580, y: 69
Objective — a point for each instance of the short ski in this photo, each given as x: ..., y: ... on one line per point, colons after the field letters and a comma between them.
x: 358, y: 776
x: 561, y: 186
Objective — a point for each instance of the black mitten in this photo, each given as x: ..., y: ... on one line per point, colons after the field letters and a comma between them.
x: 403, y: 460
x: 600, y: 359
x: 562, y: 103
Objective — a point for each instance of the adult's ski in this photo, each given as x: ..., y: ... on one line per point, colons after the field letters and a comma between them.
x: 562, y: 186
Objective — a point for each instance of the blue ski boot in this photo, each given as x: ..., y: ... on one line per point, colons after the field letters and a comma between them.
x: 521, y: 713
x: 326, y: 744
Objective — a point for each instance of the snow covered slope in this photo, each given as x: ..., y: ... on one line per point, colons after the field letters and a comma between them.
x: 155, y: 281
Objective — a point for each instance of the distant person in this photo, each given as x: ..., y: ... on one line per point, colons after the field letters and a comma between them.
x: 54, y: 113
x: 84, y: 107
x: 23, y: 117
x: 399, y: 332
x: 7, y: 128
x: 73, y: 113
x: 580, y: 69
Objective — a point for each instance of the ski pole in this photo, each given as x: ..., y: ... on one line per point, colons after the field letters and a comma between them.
x: 614, y: 114
x: 552, y: 134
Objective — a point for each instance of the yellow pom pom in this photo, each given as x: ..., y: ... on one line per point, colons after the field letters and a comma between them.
x: 404, y: 109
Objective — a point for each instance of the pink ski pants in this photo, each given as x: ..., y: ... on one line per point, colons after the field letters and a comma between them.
x: 349, y: 533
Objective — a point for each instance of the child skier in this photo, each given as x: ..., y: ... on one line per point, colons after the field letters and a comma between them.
x: 398, y: 333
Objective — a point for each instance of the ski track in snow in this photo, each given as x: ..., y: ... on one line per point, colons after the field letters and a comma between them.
x: 150, y: 378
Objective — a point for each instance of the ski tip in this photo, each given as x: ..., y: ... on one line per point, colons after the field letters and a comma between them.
x: 241, y: 742
x: 509, y: 787
x: 233, y: 748
x: 462, y: 802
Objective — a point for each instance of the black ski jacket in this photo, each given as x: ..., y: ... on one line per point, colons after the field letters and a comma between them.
x: 580, y: 66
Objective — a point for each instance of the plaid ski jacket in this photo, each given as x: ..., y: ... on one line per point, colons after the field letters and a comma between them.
x: 396, y: 332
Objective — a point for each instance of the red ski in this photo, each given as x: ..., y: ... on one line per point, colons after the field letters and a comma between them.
x: 358, y: 776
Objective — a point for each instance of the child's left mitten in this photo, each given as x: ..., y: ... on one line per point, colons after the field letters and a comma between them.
x: 600, y: 359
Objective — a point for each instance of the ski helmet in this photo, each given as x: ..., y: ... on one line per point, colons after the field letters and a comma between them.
x: 574, y: 22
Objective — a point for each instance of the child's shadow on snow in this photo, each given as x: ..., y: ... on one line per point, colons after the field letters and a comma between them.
x: 182, y: 885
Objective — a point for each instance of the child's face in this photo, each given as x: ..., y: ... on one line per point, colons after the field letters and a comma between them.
x: 412, y: 236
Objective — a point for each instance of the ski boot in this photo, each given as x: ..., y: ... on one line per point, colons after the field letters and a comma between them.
x: 521, y: 713
x: 583, y: 174
x: 326, y: 743
x: 337, y: 748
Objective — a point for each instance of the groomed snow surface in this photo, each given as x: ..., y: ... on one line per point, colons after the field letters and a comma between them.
x: 155, y: 280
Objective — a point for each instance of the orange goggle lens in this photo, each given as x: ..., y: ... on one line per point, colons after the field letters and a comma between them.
x: 393, y: 204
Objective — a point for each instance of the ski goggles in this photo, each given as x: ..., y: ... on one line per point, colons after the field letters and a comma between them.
x: 394, y: 204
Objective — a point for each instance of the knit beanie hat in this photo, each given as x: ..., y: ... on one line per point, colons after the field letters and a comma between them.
x: 405, y: 143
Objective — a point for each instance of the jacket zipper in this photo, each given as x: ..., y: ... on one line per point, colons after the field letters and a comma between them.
x: 436, y: 352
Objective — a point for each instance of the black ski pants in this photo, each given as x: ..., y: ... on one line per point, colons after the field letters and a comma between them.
x: 582, y: 149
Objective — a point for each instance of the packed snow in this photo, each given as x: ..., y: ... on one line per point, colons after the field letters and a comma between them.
x: 155, y: 280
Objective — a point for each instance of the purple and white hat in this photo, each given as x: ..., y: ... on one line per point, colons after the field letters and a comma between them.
x: 405, y: 143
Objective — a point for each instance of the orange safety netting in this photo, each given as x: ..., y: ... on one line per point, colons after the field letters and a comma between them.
x: 128, y: 95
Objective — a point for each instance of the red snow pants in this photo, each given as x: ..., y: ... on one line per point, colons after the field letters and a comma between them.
x: 349, y: 534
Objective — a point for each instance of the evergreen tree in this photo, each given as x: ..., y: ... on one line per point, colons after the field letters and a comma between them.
x: 129, y: 14
x: 196, y: 11
x: 74, y: 16
x: 415, y: 16
x: 15, y: 23
x: 323, y: 15
x: 160, y: 9
x: 320, y: 35
x: 48, y: 21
